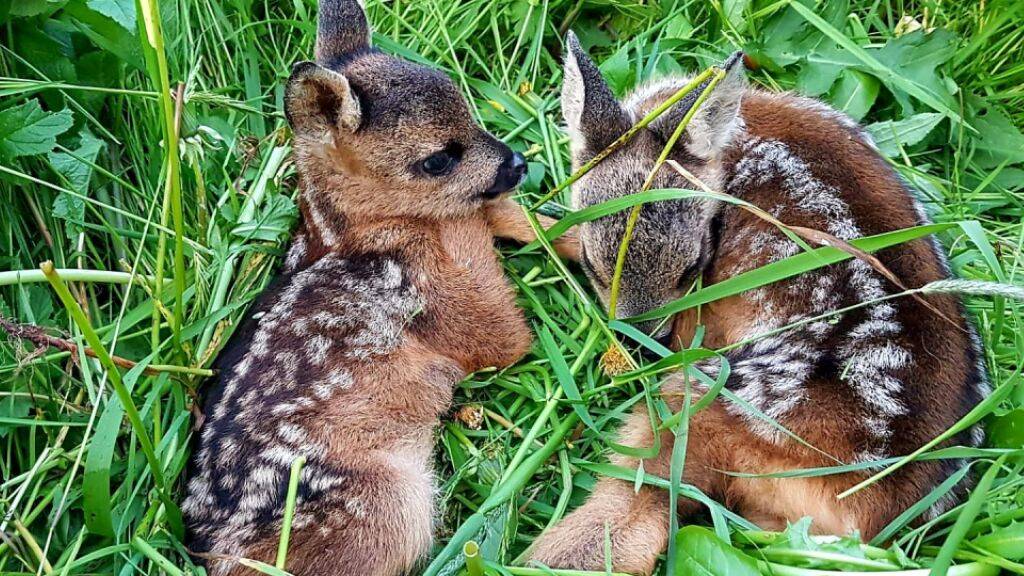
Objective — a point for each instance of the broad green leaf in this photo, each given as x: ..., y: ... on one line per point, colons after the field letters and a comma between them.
x: 788, y: 38
x: 890, y: 135
x: 700, y: 553
x: 1004, y: 541
x: 998, y: 140
x: 14, y: 407
x: 120, y: 11
x: 106, y: 33
x: 734, y: 12
x: 98, y: 68
x: 855, y: 93
x: 1007, y: 430
x: 40, y: 46
x: 28, y: 129
x: 76, y: 167
x: 28, y: 7
x: 679, y: 27
x: 898, y: 75
x: 618, y: 71
x: 821, y: 69
x: 914, y: 60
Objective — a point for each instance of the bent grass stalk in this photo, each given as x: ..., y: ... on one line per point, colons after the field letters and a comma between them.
x: 138, y: 426
x: 634, y: 214
x: 73, y: 275
x: 626, y: 137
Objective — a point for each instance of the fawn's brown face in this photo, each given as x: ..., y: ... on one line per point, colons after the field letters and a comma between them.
x: 673, y: 240
x: 398, y: 134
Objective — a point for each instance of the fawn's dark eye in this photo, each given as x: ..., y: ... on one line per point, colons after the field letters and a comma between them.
x: 443, y: 162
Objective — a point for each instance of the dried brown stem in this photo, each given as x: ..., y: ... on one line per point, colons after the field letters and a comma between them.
x: 38, y: 336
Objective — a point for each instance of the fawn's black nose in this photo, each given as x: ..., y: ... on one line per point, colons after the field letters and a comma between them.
x: 510, y: 174
x: 518, y: 165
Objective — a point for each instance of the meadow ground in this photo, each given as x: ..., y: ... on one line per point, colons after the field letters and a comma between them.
x: 91, y: 458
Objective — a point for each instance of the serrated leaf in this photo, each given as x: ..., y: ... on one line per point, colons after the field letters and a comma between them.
x: 907, y: 65
x: 120, y: 11
x: 998, y: 140
x: 700, y: 553
x: 77, y: 172
x: 915, y: 58
x: 275, y: 219
x: 1004, y: 541
x: 890, y: 135
x: 28, y: 129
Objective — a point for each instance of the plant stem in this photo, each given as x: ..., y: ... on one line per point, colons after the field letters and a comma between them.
x: 474, y: 561
x: 289, y: 511
x: 76, y: 313
x: 626, y: 137
x: 634, y: 214
x: 72, y: 275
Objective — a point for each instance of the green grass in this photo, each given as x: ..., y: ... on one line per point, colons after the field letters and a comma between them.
x: 87, y: 101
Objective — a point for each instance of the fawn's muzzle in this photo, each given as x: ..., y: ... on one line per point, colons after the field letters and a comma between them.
x: 510, y: 174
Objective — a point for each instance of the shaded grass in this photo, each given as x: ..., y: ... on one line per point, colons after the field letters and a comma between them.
x: 78, y: 492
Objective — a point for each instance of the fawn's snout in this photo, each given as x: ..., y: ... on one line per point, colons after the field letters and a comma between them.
x: 510, y: 174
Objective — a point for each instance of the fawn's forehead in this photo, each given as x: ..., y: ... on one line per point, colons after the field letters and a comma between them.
x: 394, y: 92
x: 622, y: 173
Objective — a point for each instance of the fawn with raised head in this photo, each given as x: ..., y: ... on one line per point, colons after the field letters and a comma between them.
x: 391, y: 293
x: 877, y: 381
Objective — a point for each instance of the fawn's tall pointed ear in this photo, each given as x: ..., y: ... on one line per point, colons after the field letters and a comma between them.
x: 342, y: 29
x: 717, y: 122
x: 317, y: 99
x: 593, y: 115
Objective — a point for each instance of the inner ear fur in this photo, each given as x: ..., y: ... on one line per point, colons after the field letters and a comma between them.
x: 594, y: 116
x: 318, y: 99
x: 718, y: 119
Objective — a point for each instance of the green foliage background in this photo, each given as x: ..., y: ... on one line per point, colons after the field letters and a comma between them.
x: 90, y: 180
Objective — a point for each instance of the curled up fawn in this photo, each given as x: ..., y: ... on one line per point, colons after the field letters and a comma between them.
x: 391, y: 294
x: 877, y: 381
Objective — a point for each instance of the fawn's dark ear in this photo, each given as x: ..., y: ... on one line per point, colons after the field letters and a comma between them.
x: 318, y: 99
x: 593, y: 115
x: 342, y: 29
x: 718, y: 120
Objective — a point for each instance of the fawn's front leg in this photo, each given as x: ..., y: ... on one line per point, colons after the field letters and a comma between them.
x: 634, y: 523
x: 507, y: 220
x: 637, y: 522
